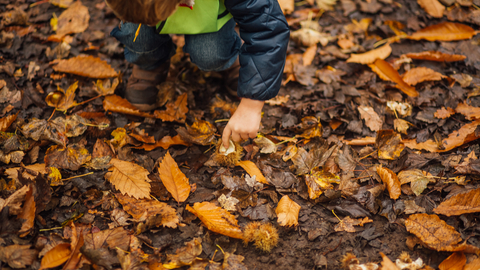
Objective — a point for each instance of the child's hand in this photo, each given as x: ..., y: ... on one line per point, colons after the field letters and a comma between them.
x: 245, y: 122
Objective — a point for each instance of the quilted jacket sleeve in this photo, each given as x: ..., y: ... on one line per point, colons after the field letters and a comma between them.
x: 265, y: 33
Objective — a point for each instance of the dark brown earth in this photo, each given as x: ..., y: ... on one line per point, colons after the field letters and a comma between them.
x: 313, y: 244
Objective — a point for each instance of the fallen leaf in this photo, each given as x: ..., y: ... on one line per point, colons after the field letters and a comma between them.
x: 265, y: 144
x: 470, y: 112
x: 253, y: 170
x: 318, y: 182
x: 371, y: 56
x: 165, y: 143
x: 173, y: 179
x: 287, y: 212
x: 362, y: 141
x: 459, y: 204
x: 18, y: 256
x: 71, y: 157
x: 306, y: 162
x: 444, y: 113
x: 175, y: 112
x: 456, y: 261
x: 142, y: 209
x: 401, y: 125
x: 5, y: 122
x: 473, y: 265
x: 40, y: 129
x: 56, y: 256
x: 28, y: 213
x: 433, y: 7
x: 391, y: 180
x: 129, y: 178
x: 216, y: 219
x: 372, y: 120
x: 309, y: 55
x: 387, y: 264
x: 446, y: 31
x: 326, y: 4
x: 61, y: 3
x: 278, y: 100
x: 115, y: 103
x: 112, y: 238
x: 73, y: 20
x: 185, y: 255
x: 200, y: 132
x: 311, y: 127
x: 308, y: 37
x: 389, y: 144
x: 106, y: 87
x: 421, y: 74
x: 86, y: 66
x: 436, y: 56
x: 14, y: 201
x: 347, y: 224
x: 287, y: 6
x: 418, y: 181
x: 433, y: 231
x: 386, y: 72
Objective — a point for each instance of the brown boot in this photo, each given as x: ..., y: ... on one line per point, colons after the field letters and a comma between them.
x: 230, y: 77
x: 142, y: 89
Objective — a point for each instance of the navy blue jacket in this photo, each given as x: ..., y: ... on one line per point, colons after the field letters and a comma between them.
x: 265, y: 33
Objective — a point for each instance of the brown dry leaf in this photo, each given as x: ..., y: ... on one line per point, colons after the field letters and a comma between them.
x: 372, y: 120
x: 433, y: 231
x: 459, y: 204
x: 176, y: 111
x: 40, y: 129
x: 252, y: 170
x: 86, y: 66
x: 456, y: 261
x: 401, y: 125
x: 174, y: 179
x: 56, y: 256
x: 387, y: 264
x: 436, y: 56
x: 115, y: 103
x: 446, y: 31
x: 278, y: 100
x: 347, y: 224
x: 73, y: 20
x: 391, y: 180
x: 129, y: 178
x: 7, y: 121
x: 14, y: 201
x: 28, y: 213
x: 457, y: 138
x: 144, y: 208
x: 200, y: 132
x: 185, y: 255
x: 287, y: 6
x: 432, y: 7
x: 106, y: 87
x: 18, y: 256
x: 265, y: 144
x: 216, y: 219
x: 386, y: 72
x: 444, y: 113
x: 418, y: 181
x: 473, y: 265
x: 112, y: 238
x: 71, y: 157
x: 308, y: 37
x: 62, y: 100
x: 470, y: 112
x: 362, y: 141
x: 319, y: 181
x: 165, y: 143
x: 371, y: 56
x: 389, y: 144
x: 421, y: 74
x: 287, y: 212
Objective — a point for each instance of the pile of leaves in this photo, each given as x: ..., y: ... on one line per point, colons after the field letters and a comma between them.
x: 367, y: 158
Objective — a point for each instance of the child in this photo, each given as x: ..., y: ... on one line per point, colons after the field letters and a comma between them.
x: 213, y: 45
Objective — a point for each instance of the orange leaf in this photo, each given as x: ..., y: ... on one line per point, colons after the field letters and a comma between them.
x: 216, y: 219
x: 86, y: 66
x: 7, y: 121
x: 68, y: 101
x: 421, y: 74
x: 309, y: 55
x: 144, y: 208
x: 115, y: 103
x: 457, y: 138
x: 252, y: 170
x: 28, y: 213
x: 165, y: 143
x: 200, y: 132
x: 446, y: 31
x: 347, y: 224
x: 372, y: 120
x: 391, y: 180
x: 386, y: 72
x: 370, y: 56
x: 433, y: 231
x: 129, y: 178
x: 387, y: 264
x: 287, y: 212
x: 473, y: 265
x: 362, y: 141
x: 444, y: 113
x: 174, y: 180
x: 436, y: 56
x: 175, y: 111
x: 459, y: 204
x: 432, y: 7
x: 470, y: 112
x: 456, y: 261
x: 56, y: 256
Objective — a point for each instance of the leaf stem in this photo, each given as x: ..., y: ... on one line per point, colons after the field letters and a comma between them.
x: 77, y: 176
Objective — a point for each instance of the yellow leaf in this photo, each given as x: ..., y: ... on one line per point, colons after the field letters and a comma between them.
x: 55, y: 177
x: 185, y: 255
x: 129, y: 178
x: 56, y: 256
x: 216, y: 219
x: 391, y: 180
x: 370, y: 56
x: 287, y: 212
x: 347, y: 224
x: 252, y: 170
x: 446, y: 31
x: 173, y: 178
x: 432, y: 7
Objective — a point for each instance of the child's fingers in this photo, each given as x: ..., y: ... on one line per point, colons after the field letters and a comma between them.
x: 244, y: 136
x: 236, y: 137
x: 226, y: 136
x: 252, y: 135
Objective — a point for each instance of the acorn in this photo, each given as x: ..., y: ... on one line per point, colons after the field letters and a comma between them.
x: 264, y: 235
x: 227, y: 157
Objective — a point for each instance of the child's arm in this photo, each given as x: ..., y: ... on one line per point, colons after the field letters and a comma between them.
x: 245, y: 122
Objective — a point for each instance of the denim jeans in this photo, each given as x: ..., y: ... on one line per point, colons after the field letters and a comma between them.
x: 210, y: 52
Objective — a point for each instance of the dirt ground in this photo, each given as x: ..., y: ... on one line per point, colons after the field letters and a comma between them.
x: 334, y: 100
